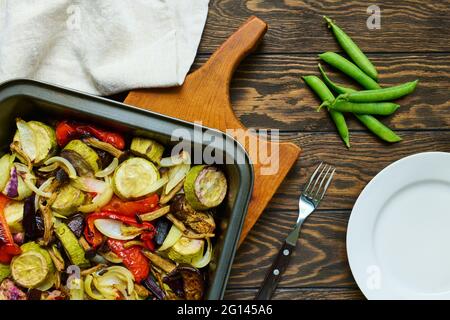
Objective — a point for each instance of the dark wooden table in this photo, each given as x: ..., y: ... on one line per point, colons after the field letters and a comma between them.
x: 413, y: 42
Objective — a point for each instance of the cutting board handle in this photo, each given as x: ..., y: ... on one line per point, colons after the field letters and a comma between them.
x: 205, y: 97
x: 227, y: 57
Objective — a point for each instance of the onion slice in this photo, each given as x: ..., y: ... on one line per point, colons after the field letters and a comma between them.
x: 176, y: 175
x: 202, y: 262
x: 155, y: 186
x: 182, y: 158
x: 27, y: 139
x: 66, y: 163
x: 42, y: 188
x: 113, y: 229
x: 28, y: 179
x: 90, y: 185
x: 172, y: 237
x: 49, y: 168
x: 109, y: 169
x: 100, y: 200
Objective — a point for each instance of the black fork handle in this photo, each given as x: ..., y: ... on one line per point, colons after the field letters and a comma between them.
x: 278, y: 267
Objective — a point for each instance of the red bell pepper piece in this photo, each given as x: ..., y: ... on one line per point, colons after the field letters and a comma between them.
x: 131, y: 208
x: 95, y: 238
x: 66, y: 131
x: 132, y: 258
x: 8, y: 248
x: 91, y: 234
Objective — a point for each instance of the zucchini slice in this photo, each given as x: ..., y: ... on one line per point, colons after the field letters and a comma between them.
x: 71, y: 245
x: 135, y: 178
x: 205, y: 187
x: 86, y: 153
x: 186, y: 250
x: 5, y: 271
x: 68, y: 200
x: 147, y: 148
x: 34, y: 247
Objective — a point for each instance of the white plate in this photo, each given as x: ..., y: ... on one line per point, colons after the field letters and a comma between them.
x: 398, y: 237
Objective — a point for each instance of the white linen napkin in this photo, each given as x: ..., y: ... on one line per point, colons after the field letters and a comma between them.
x: 100, y: 46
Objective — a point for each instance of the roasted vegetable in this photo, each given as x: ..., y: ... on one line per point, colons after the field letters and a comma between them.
x: 9, y: 291
x: 14, y: 215
x: 76, y: 224
x: 16, y: 188
x: 131, y: 208
x: 112, y: 257
x: 155, y: 214
x: 8, y: 249
x: 112, y: 283
x: 113, y: 229
x: 160, y: 262
x: 68, y: 200
x: 36, y: 140
x: 172, y: 237
x: 203, y: 261
x: 162, y: 229
x: 114, y: 226
x: 147, y: 148
x: 5, y: 271
x: 101, y: 198
x: 103, y: 208
x: 186, y: 250
x: 205, y: 187
x: 6, y: 164
x: 108, y: 169
x: 187, y: 282
x: 73, y: 249
x: 64, y: 163
x: 135, y: 178
x: 182, y: 158
x: 151, y: 284
x: 32, y: 222
x: 132, y: 258
x: 175, y: 175
x: 199, y: 221
x: 48, y: 282
x: 29, y: 269
x: 86, y: 153
x: 67, y: 131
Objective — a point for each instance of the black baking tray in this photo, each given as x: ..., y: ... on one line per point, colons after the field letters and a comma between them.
x: 30, y: 99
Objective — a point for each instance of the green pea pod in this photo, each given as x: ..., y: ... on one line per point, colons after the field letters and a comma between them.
x: 385, y: 94
x: 378, y: 108
x: 336, y: 88
x: 379, y: 129
x: 339, y: 62
x: 353, y: 51
x: 325, y: 95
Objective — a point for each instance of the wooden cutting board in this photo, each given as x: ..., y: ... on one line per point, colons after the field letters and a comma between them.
x: 204, y: 97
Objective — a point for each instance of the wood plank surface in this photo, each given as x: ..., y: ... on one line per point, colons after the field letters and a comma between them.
x: 300, y: 294
x: 297, y: 26
x: 320, y: 260
x: 267, y: 91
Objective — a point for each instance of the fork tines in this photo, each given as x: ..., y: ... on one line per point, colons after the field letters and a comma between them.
x: 323, y: 173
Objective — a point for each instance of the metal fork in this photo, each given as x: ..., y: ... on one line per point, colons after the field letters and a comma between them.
x: 309, y: 200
